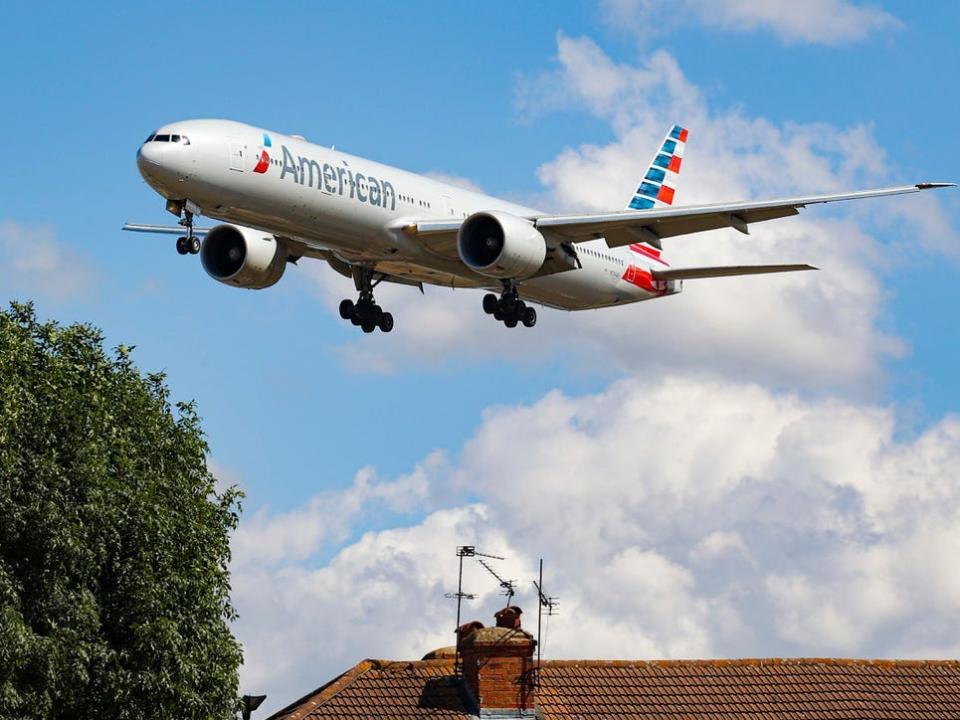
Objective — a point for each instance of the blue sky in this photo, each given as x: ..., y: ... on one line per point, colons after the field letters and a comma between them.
x: 425, y: 88
x: 283, y: 384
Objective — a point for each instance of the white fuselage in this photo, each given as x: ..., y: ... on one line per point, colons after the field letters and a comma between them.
x: 358, y: 209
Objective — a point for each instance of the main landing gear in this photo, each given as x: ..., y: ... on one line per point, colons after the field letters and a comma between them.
x: 365, y: 312
x: 509, y: 308
x: 189, y: 243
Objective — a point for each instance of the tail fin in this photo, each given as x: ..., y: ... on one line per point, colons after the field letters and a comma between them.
x: 658, y: 186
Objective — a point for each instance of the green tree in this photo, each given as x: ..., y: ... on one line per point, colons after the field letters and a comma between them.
x: 114, y: 542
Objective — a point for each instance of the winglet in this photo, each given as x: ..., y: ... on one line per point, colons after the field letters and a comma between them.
x: 934, y: 185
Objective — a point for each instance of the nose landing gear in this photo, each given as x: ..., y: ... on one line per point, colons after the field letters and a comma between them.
x: 509, y: 308
x: 189, y: 243
x: 365, y: 312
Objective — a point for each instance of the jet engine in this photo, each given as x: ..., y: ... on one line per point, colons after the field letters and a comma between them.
x: 243, y: 257
x: 501, y: 245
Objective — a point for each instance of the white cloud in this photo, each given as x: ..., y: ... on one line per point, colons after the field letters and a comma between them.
x: 718, y: 545
x: 34, y: 263
x: 810, y: 330
x: 683, y: 518
x: 329, y: 516
x: 822, y: 22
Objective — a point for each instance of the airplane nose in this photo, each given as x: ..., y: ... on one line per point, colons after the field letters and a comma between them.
x: 150, y: 153
x: 150, y: 161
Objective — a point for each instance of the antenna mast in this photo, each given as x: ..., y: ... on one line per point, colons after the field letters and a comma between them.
x: 462, y: 552
x: 545, y: 601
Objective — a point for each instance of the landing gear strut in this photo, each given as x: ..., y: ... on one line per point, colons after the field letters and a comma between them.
x: 189, y: 243
x: 365, y: 312
x: 509, y: 308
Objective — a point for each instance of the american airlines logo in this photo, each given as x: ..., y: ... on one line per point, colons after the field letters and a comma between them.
x: 332, y: 180
x: 264, y: 162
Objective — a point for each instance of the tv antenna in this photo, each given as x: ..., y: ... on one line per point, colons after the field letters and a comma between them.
x: 544, y: 601
x: 462, y: 552
x: 506, y: 586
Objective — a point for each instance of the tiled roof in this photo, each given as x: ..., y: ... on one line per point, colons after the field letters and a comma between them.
x: 754, y: 689
x: 813, y: 689
x: 384, y: 689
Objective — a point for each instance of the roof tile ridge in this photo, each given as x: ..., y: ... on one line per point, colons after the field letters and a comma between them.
x: 322, y: 694
x: 412, y: 664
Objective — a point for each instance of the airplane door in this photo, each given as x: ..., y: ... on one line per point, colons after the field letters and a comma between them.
x: 448, y: 210
x: 236, y: 156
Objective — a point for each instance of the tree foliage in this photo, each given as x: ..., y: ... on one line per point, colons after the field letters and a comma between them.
x: 114, y: 542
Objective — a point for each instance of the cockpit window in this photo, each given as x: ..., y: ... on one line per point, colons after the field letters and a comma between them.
x: 182, y: 139
x: 149, y: 138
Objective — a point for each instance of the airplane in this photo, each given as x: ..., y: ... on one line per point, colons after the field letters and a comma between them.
x: 280, y: 198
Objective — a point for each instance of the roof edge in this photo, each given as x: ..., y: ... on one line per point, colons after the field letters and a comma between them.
x: 324, y: 692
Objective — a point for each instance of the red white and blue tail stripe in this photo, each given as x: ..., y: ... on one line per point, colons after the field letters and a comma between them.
x: 658, y: 186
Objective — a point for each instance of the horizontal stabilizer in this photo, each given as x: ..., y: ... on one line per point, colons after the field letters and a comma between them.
x: 724, y: 271
x: 163, y: 229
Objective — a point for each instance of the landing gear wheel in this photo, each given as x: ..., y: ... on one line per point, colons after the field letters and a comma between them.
x: 194, y: 245
x: 509, y: 308
x: 183, y: 245
x: 529, y: 317
x: 365, y: 313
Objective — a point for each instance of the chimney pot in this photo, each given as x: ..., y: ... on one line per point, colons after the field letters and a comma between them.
x: 467, y: 629
x: 509, y: 617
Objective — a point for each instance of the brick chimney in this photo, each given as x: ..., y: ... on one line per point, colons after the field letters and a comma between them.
x: 498, y: 667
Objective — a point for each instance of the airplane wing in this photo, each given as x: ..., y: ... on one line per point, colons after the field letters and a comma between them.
x: 628, y: 227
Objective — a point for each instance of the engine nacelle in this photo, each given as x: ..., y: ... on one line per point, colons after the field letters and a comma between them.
x: 501, y: 245
x: 243, y: 257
